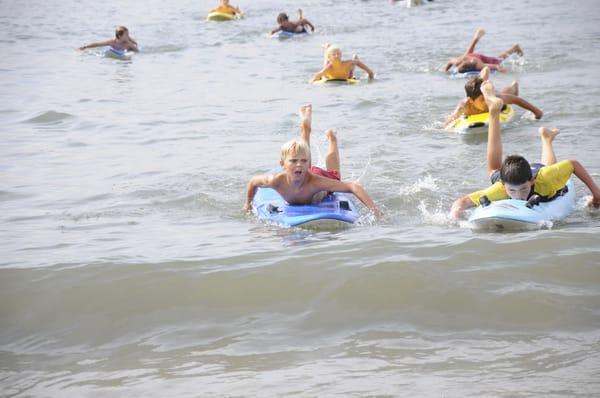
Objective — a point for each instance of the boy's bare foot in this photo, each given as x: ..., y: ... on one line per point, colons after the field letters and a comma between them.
x: 549, y: 134
x: 330, y: 135
x: 479, y: 34
x: 517, y: 49
x: 494, y: 103
x: 515, y: 87
x: 305, y: 112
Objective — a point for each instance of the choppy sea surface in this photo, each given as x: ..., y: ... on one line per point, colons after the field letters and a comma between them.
x: 127, y: 267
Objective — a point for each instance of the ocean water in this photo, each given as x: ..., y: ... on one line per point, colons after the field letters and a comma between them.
x: 127, y: 267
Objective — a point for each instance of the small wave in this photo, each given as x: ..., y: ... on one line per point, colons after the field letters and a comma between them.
x: 167, y: 48
x: 439, y: 216
x: 426, y: 183
x: 49, y: 117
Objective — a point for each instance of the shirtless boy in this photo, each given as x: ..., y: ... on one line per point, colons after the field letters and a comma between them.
x: 299, y: 182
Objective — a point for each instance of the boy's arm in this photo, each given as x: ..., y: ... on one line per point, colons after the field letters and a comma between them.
x: 319, y: 74
x: 459, y: 206
x: 307, y: 22
x: 254, y: 183
x: 448, y: 65
x: 585, y: 177
x: 97, y: 44
x: 328, y: 184
x: 277, y: 29
x: 365, y: 68
x: 458, y: 111
x: 513, y: 99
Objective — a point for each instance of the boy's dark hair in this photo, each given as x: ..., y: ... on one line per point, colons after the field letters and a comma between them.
x: 282, y: 17
x: 515, y: 170
x: 473, y: 87
x: 467, y: 66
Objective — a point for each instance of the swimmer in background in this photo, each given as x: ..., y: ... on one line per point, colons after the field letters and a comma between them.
x: 121, y: 42
x: 472, y: 61
x: 337, y: 69
x: 299, y: 26
x: 226, y: 8
x: 475, y: 103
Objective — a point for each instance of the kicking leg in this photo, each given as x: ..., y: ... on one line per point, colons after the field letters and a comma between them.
x: 325, y: 48
x: 547, y: 136
x: 514, y: 49
x: 494, y: 145
x: 305, y: 122
x: 512, y: 89
x: 332, y: 160
x: 478, y: 35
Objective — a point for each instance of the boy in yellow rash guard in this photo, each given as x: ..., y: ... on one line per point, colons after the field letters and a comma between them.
x: 226, y: 8
x: 475, y: 104
x: 335, y: 68
x: 512, y: 178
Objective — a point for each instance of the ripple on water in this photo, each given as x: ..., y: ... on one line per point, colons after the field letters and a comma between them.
x: 49, y: 117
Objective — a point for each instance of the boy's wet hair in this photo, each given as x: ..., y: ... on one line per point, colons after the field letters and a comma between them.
x: 120, y: 30
x: 473, y: 87
x: 515, y: 170
x: 466, y: 66
x: 282, y: 17
x: 295, y: 147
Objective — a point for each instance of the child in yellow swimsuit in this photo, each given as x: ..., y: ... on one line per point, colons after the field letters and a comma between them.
x: 335, y: 68
x: 227, y: 8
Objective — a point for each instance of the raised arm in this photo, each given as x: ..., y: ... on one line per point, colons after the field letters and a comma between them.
x: 513, y: 99
x: 307, y: 22
x: 585, y: 177
x: 254, y: 183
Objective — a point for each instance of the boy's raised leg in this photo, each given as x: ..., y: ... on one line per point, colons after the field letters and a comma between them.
x: 305, y: 112
x: 478, y: 35
x: 514, y: 49
x: 547, y: 136
x: 332, y: 160
x: 494, y: 145
x: 512, y: 89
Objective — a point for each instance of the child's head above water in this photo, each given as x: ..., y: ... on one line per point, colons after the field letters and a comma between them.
x: 120, y: 31
x: 282, y: 17
x: 473, y: 87
x: 295, y: 147
x: 515, y: 170
x: 334, y: 52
